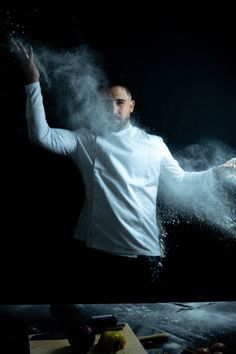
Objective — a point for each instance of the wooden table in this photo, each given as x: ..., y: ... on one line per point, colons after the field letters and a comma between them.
x: 62, y: 346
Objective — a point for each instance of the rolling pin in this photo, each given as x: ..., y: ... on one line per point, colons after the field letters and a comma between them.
x: 160, y: 337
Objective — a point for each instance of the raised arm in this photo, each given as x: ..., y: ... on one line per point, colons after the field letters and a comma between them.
x: 60, y: 141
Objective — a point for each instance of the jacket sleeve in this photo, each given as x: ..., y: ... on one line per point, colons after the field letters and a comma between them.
x: 187, y: 189
x: 60, y: 141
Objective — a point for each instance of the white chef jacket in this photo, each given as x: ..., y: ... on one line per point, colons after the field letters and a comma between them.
x: 121, y: 172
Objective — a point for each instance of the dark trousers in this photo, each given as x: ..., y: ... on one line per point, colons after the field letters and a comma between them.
x: 98, y: 277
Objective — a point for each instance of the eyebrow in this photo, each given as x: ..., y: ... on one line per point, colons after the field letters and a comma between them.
x: 120, y: 100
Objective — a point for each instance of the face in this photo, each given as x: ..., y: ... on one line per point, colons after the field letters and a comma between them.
x: 122, y: 105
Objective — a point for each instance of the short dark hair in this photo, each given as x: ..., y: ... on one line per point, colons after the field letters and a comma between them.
x: 119, y: 79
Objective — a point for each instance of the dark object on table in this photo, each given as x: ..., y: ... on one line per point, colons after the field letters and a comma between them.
x: 81, y: 338
x: 14, y: 338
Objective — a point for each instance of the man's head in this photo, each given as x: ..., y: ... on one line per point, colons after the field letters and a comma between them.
x: 122, y: 105
x: 119, y: 101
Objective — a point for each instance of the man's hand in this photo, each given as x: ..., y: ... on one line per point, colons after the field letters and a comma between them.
x: 26, y: 60
x: 227, y: 170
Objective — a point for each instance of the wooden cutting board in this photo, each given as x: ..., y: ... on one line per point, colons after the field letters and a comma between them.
x: 62, y: 346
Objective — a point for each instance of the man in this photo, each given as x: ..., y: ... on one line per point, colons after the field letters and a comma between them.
x: 117, y: 252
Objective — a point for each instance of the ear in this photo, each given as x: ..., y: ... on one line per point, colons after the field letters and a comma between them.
x: 132, y: 105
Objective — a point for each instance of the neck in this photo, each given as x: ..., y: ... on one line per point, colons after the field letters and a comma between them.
x: 121, y: 125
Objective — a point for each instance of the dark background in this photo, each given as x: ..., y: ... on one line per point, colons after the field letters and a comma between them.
x: 180, y: 64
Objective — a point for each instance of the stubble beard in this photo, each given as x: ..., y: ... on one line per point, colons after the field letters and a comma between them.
x: 120, y: 124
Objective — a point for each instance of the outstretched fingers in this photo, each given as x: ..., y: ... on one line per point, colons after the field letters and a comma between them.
x: 22, y: 53
x: 25, y: 56
x: 230, y: 164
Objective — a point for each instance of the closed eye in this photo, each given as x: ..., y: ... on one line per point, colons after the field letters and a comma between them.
x: 120, y: 102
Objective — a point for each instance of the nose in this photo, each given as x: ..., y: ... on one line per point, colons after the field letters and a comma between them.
x: 115, y: 108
